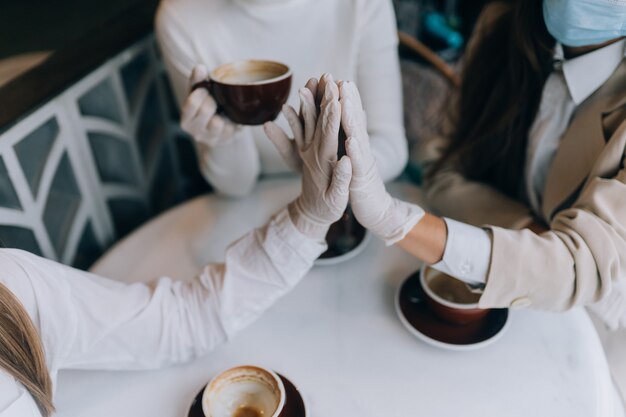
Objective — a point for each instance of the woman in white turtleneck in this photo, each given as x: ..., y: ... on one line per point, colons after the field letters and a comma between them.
x: 352, y: 39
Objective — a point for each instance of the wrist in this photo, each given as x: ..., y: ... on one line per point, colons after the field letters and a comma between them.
x: 305, y: 225
x: 399, y: 218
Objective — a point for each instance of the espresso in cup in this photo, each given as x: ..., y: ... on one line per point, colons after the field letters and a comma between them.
x: 250, y: 92
x: 449, y: 298
x: 244, y: 391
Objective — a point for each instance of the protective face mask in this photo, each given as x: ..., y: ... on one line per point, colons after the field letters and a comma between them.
x: 585, y: 22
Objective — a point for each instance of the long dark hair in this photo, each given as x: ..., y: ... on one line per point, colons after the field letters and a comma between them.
x: 501, y: 88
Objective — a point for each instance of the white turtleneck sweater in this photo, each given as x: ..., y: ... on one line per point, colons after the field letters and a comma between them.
x: 351, y: 39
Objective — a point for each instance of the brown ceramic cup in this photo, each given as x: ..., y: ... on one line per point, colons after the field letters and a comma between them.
x: 249, y: 92
x: 449, y: 298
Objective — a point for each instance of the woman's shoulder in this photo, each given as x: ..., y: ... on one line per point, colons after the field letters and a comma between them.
x: 15, y: 263
x: 25, y: 274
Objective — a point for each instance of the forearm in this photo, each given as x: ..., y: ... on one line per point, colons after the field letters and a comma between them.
x: 172, y: 321
x: 427, y: 239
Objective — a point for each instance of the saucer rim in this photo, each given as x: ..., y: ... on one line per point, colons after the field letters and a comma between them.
x: 304, y: 401
x: 346, y: 256
x: 280, y: 375
x: 443, y: 345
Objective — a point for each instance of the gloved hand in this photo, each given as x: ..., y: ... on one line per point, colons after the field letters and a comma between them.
x: 312, y: 95
x: 325, y: 182
x: 388, y: 218
x: 198, y: 116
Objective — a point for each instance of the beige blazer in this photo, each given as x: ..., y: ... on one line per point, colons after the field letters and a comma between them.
x: 583, y: 256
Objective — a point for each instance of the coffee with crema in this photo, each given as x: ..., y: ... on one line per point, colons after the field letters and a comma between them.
x: 249, y: 92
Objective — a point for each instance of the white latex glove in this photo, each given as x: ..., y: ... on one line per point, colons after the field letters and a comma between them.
x: 198, y: 115
x: 388, y: 218
x: 325, y: 182
x: 312, y: 94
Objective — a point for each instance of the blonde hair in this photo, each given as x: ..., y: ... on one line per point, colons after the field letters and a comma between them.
x: 21, y: 351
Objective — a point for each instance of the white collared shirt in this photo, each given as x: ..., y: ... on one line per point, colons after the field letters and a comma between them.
x: 89, y: 322
x: 468, y: 250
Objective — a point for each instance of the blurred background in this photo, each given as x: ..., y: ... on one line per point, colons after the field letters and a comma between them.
x: 90, y: 146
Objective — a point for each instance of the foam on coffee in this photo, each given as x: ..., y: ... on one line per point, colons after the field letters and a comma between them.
x: 250, y: 72
x: 451, y: 289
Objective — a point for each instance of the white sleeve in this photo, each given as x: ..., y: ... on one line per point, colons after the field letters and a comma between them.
x: 96, y: 323
x: 467, y: 254
x: 379, y: 82
x: 231, y: 168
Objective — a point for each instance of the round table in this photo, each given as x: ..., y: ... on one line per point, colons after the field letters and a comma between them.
x: 337, y: 336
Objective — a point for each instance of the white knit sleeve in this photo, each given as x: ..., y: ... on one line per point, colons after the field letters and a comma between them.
x: 380, y: 85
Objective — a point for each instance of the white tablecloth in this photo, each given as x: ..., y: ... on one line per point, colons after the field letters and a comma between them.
x: 337, y: 336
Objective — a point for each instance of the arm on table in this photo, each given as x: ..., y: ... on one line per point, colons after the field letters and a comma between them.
x: 95, y: 323
x: 580, y: 261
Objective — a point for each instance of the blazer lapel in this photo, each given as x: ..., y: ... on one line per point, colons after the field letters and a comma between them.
x: 582, y: 143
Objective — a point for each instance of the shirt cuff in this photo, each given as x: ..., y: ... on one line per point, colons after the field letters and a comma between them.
x: 287, y: 239
x: 467, y: 254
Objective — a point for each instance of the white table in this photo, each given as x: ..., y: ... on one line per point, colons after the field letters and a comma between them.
x: 338, y: 338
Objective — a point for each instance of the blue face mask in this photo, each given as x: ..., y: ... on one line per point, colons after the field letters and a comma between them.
x: 585, y: 22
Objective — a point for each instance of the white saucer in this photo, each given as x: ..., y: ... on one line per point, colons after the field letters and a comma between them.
x: 346, y: 256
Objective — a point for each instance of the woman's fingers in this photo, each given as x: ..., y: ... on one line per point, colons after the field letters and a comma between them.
x: 294, y: 122
x: 311, y: 85
x: 329, y: 138
x: 207, y: 111
x: 350, y: 91
x: 191, y: 106
x: 198, y: 74
x: 359, y: 160
x: 215, y: 126
x: 321, y: 88
x: 331, y: 91
x: 349, y: 118
x: 353, y: 116
x: 338, y: 191
x: 309, y: 115
x: 285, y: 146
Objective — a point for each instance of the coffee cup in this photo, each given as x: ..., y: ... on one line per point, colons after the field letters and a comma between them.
x: 449, y: 298
x: 244, y: 391
x: 249, y: 92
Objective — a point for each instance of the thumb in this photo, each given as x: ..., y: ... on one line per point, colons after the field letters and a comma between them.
x: 199, y: 74
x: 284, y: 145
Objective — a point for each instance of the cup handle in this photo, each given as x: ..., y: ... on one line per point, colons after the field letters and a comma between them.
x: 208, y: 84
